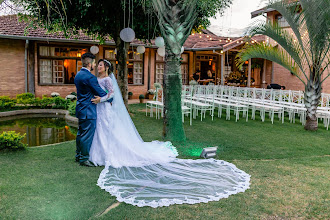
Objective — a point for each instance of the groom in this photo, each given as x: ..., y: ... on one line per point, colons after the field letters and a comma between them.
x: 87, y: 88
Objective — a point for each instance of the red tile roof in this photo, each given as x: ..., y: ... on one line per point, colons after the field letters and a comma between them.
x: 11, y: 27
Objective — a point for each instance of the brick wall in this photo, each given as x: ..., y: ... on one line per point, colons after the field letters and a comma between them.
x: 12, y: 54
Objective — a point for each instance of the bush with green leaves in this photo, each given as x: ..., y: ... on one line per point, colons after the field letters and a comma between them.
x: 141, y: 96
x: 72, y: 108
x: 6, y: 102
x: 26, y: 99
x: 11, y: 140
x: 60, y: 103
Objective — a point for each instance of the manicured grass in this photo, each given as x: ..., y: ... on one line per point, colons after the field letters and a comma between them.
x: 289, y: 170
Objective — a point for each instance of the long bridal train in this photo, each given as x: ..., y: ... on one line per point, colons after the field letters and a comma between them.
x: 149, y: 174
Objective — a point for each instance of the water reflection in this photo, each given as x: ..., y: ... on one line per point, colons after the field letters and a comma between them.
x: 40, y: 131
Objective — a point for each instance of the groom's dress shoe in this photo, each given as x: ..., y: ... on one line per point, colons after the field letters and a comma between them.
x: 87, y: 163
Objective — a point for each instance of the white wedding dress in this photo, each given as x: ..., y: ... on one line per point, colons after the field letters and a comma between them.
x: 148, y: 173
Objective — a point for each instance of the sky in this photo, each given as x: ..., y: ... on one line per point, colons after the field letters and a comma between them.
x: 236, y: 18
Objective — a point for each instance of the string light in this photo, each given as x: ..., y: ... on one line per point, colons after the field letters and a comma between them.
x: 200, y: 36
x: 207, y: 36
x: 210, y: 38
x: 193, y: 34
x: 221, y: 51
x: 220, y: 40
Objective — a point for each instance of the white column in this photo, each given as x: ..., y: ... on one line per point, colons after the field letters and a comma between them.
x: 222, y: 69
x: 249, y: 74
x: 263, y: 77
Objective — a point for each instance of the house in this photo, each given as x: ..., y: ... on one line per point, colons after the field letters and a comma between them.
x: 279, y: 74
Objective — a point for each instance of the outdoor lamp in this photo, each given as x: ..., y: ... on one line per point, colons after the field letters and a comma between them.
x: 209, y: 152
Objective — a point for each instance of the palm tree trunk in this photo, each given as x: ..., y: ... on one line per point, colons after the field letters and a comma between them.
x: 172, y: 127
x: 312, y: 99
x: 122, y: 68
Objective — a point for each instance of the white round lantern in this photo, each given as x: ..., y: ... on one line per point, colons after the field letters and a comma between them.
x: 159, y: 41
x: 127, y: 34
x: 161, y: 51
x: 140, y: 49
x: 94, y: 49
x: 182, y: 49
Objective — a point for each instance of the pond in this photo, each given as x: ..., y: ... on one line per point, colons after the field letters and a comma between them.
x: 39, y: 130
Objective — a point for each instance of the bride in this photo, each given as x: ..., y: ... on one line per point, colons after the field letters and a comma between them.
x: 148, y: 173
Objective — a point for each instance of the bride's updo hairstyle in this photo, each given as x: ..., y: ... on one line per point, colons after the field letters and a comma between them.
x: 108, y: 65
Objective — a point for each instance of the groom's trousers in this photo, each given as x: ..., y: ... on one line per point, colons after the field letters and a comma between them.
x: 84, y: 138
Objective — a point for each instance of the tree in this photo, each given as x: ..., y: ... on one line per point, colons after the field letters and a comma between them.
x: 176, y: 19
x: 305, y: 52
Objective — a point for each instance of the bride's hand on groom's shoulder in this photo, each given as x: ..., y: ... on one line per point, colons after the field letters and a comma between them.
x: 96, y: 100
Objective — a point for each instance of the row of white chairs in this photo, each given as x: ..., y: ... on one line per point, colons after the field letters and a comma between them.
x: 202, y: 99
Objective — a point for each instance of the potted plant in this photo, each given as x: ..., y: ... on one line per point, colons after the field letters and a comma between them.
x: 150, y: 92
x: 141, y: 97
x: 130, y: 94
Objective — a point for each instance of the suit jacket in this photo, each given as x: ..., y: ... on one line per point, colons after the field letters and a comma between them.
x: 87, y: 87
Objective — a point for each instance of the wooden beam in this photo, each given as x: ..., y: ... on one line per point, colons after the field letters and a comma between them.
x: 222, y: 69
x: 31, y: 67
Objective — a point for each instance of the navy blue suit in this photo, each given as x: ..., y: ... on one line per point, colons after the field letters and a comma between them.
x: 87, y: 87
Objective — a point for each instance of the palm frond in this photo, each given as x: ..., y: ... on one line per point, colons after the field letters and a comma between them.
x: 285, y: 40
x: 267, y: 52
x: 175, y: 21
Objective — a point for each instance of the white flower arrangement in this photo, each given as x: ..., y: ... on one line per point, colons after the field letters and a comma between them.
x: 151, y: 92
x: 157, y: 85
x: 55, y: 94
x: 71, y: 97
x: 193, y: 82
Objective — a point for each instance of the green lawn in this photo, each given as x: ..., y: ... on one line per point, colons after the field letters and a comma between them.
x: 289, y: 170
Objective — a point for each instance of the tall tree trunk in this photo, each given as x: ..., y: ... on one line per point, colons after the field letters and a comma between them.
x: 312, y: 97
x: 172, y: 127
x: 122, y: 68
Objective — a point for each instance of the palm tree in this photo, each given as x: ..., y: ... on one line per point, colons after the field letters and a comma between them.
x: 176, y: 19
x: 304, y: 52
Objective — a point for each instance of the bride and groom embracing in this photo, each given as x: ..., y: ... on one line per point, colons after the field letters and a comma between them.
x: 137, y: 172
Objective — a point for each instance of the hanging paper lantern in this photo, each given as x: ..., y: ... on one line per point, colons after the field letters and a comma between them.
x: 159, y: 41
x: 182, y: 49
x: 140, y: 49
x: 127, y: 34
x: 94, y: 49
x: 161, y: 51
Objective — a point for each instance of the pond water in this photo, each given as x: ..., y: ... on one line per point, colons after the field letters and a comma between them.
x: 39, y: 130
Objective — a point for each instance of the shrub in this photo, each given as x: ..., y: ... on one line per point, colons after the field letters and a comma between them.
x: 25, y: 99
x: 60, y: 103
x: 46, y: 102
x: 130, y: 93
x: 72, y: 108
x: 74, y: 93
x: 6, y: 102
x: 141, y: 96
x: 11, y: 140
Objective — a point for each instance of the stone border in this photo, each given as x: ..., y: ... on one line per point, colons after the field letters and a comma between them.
x: 72, y: 121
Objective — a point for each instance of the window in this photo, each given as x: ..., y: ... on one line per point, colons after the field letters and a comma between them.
x: 184, y: 69
x: 281, y: 21
x: 59, y: 65
x: 160, y: 64
x: 134, y: 65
